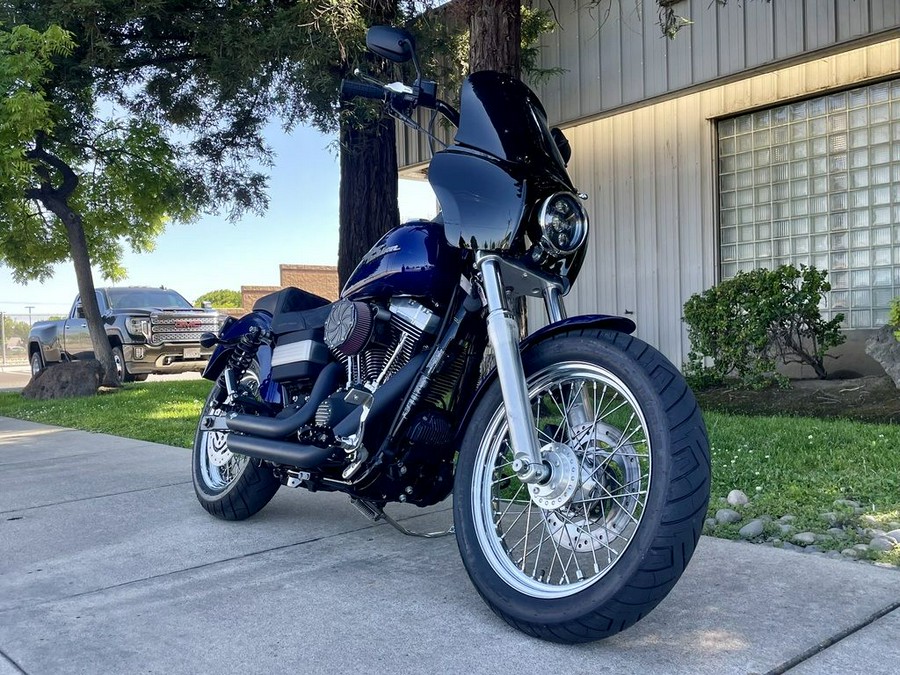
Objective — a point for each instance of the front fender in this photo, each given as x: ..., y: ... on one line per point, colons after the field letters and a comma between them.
x: 616, y: 323
x: 231, y: 333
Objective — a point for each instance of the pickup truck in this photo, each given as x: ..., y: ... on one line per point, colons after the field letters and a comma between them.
x: 151, y: 330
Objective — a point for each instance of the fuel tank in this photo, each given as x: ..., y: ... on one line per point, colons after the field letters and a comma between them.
x: 413, y: 259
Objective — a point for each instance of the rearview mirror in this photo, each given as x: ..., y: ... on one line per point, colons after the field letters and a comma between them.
x: 392, y: 43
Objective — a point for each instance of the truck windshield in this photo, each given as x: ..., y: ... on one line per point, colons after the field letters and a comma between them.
x: 161, y: 298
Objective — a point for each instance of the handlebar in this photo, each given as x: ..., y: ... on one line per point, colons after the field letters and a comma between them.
x: 411, y: 99
x: 354, y: 89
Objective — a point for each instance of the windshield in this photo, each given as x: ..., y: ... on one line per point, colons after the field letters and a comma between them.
x: 145, y: 297
x: 501, y: 116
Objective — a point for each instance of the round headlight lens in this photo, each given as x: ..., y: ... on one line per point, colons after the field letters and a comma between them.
x: 564, y: 223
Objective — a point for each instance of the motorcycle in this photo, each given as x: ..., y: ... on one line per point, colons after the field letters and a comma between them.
x: 579, y: 465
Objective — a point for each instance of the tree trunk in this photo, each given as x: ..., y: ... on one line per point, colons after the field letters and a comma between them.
x: 368, y: 193
x: 82, y: 261
x: 495, y: 43
x: 495, y: 36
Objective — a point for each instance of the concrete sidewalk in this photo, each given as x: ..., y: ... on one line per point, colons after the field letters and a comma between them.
x: 108, y: 565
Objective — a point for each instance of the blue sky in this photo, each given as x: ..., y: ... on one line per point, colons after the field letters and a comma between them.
x: 300, y: 227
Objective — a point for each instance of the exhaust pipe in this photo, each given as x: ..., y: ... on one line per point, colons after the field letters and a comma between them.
x: 279, y: 427
x: 280, y: 452
x: 310, y: 456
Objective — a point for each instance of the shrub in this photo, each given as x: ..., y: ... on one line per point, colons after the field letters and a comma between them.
x: 894, y: 316
x: 746, y: 323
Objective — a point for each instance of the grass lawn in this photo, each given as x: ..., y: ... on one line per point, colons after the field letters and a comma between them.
x: 786, y: 465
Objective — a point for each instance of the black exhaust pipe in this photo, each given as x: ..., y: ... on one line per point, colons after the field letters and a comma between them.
x: 280, y: 452
x: 310, y: 456
x: 279, y: 427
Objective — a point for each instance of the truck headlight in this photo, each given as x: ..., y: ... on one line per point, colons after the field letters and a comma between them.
x: 564, y: 223
x: 139, y: 327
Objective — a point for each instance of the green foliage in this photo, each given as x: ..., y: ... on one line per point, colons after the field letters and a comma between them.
x: 15, y: 329
x: 221, y: 298
x: 747, y: 323
x: 894, y: 316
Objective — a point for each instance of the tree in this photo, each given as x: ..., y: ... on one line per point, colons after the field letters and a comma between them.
x: 222, y: 298
x: 150, y: 112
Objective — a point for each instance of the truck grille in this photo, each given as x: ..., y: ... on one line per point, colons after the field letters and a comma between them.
x: 181, y: 327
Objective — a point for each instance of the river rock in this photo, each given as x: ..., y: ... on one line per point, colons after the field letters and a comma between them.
x: 869, y: 521
x: 65, y: 380
x: 787, y: 519
x: 710, y: 524
x: 837, y: 533
x: 848, y: 503
x: 884, y: 348
x: 830, y: 517
x: 862, y: 548
x: 737, y: 498
x: 727, y: 516
x: 805, y: 538
x: 882, y: 544
x: 752, y: 529
x: 850, y: 553
x: 787, y: 529
x: 894, y: 534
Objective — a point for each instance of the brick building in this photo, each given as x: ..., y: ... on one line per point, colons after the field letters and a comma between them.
x: 319, y: 279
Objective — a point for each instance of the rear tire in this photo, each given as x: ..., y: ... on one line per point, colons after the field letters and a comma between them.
x: 625, y: 501
x: 37, y: 364
x: 228, y: 485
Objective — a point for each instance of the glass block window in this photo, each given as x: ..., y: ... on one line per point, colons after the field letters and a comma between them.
x: 817, y: 182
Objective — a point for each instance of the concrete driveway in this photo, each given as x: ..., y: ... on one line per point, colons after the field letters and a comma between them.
x: 108, y: 565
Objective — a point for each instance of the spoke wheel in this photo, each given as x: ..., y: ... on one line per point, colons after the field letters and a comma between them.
x: 553, y: 540
x: 595, y: 546
x: 228, y: 485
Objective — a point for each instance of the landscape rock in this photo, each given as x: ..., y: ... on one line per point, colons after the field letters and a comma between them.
x: 862, y: 548
x: 710, y: 524
x: 850, y: 553
x: 884, y: 348
x: 834, y: 555
x: 65, y: 380
x: 829, y: 517
x: 804, y: 537
x: 787, y: 529
x: 727, y: 516
x: 848, y: 503
x: 869, y: 521
x: 752, y: 529
x: 737, y: 498
x: 837, y: 533
x: 787, y: 519
x: 812, y: 549
x: 882, y: 544
x: 894, y: 534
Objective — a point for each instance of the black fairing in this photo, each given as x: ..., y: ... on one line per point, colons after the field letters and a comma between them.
x: 504, y: 163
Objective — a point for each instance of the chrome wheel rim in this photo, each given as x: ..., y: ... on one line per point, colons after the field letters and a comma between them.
x: 120, y: 367
x: 35, y: 364
x: 219, y: 467
x: 554, y: 540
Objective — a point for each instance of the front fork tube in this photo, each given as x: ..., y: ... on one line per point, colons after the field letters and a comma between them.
x: 503, y: 334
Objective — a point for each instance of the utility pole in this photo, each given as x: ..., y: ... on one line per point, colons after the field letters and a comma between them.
x: 29, y: 308
x: 3, y: 335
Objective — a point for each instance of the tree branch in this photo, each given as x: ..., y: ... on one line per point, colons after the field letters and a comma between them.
x: 69, y: 177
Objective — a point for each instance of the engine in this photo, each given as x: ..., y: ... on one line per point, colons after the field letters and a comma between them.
x: 375, y: 342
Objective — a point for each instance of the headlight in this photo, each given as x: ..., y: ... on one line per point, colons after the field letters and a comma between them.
x: 564, y: 223
x: 139, y: 327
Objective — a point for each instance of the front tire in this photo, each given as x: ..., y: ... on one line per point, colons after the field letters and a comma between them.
x: 593, y: 550
x: 228, y: 485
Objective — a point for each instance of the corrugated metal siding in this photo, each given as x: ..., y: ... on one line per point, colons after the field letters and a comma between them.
x: 615, y: 54
x: 650, y: 174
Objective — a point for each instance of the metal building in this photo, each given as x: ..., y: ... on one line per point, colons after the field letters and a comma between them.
x: 765, y: 133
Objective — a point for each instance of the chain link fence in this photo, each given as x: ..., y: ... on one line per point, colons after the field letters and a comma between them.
x: 14, y: 329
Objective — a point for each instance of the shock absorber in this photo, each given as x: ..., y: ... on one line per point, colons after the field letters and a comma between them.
x: 241, y: 358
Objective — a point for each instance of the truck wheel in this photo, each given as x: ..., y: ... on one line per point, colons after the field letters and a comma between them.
x: 121, y: 372
x: 37, y: 364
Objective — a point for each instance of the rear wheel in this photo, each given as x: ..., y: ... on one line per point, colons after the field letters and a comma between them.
x: 228, y: 485
x: 604, y: 539
x: 37, y: 364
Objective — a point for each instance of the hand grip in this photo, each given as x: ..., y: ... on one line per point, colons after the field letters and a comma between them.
x: 353, y: 89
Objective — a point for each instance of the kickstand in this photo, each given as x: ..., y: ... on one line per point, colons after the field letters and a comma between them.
x: 375, y: 513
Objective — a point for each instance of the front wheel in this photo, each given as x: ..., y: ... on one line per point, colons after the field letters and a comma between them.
x: 228, y: 485
x: 600, y: 543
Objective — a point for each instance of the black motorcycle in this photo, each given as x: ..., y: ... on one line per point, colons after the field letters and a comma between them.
x: 579, y: 465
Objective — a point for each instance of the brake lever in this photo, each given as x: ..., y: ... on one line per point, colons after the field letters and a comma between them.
x: 366, y: 78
